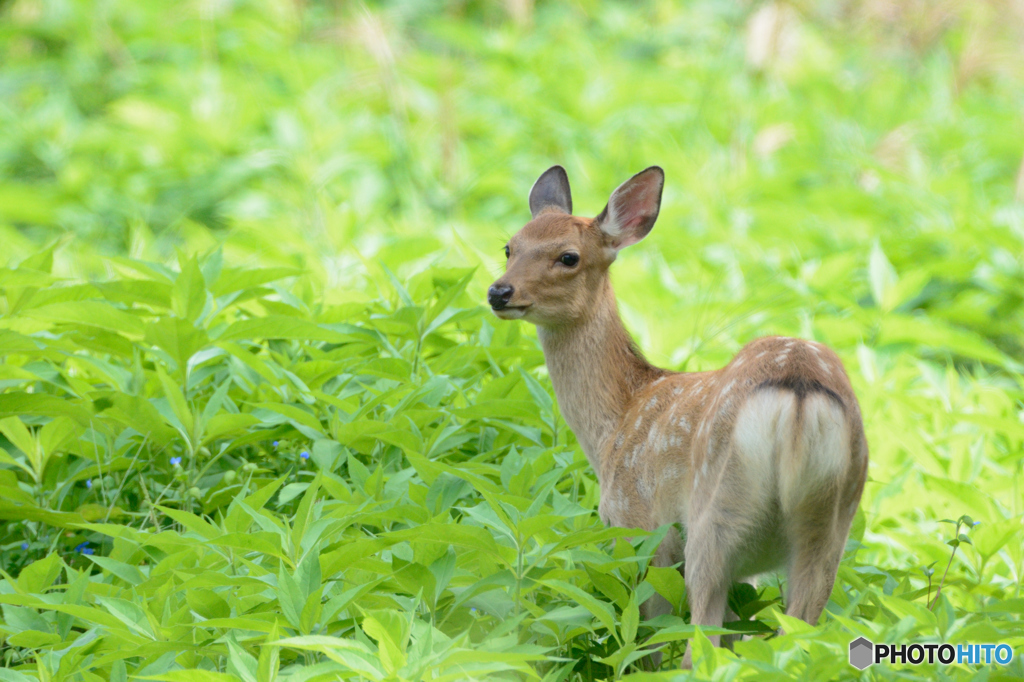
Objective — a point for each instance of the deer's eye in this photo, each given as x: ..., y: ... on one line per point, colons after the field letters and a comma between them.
x: 569, y: 259
x: 507, y: 252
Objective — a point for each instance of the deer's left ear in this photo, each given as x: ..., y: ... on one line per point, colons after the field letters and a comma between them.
x: 632, y: 208
x: 551, y: 192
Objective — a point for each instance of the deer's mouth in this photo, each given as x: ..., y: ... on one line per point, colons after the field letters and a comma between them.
x: 511, y: 312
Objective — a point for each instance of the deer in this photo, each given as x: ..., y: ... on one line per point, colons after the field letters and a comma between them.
x: 761, y: 463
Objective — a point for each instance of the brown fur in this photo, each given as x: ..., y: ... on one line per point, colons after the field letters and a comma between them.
x: 762, y: 461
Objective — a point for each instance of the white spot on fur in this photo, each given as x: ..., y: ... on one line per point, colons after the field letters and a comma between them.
x: 619, y: 440
x: 639, y: 421
x: 704, y: 467
x: 824, y: 367
x: 652, y: 402
x: 738, y: 361
x: 633, y: 456
x: 813, y: 347
x: 677, y: 390
x: 611, y: 506
x: 643, y: 488
x: 684, y: 424
x: 780, y: 359
x: 760, y: 355
x: 672, y: 471
x: 658, y: 381
x: 728, y: 387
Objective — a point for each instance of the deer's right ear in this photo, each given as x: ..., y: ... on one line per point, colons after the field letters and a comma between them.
x: 551, y: 192
x: 632, y: 208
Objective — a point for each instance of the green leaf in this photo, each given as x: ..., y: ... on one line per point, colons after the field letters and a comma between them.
x: 89, y: 314
x: 179, y: 338
x: 667, y: 582
x: 190, y: 675
x: 38, y: 576
x: 176, y: 399
x: 391, y: 632
x: 290, y: 597
x: 188, y: 296
x: 279, y: 327
x: 630, y: 620
x: 130, y: 614
x: 130, y: 574
x: 598, y: 609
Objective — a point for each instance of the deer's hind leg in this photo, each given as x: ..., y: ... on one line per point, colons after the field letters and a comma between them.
x: 669, y: 553
x: 711, y: 548
x: 731, y: 505
x: 715, y: 542
x: 819, y: 508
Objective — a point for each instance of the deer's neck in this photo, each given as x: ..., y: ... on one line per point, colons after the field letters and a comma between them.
x: 595, y: 370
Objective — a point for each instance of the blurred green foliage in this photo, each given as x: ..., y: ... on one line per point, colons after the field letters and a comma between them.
x: 256, y: 424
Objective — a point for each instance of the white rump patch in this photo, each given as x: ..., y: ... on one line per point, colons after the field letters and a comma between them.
x: 773, y: 453
x: 764, y: 426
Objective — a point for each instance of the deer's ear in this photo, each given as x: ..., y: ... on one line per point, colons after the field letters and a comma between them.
x: 551, y: 192
x: 632, y: 208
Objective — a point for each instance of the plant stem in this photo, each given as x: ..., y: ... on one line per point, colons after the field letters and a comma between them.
x: 938, y: 590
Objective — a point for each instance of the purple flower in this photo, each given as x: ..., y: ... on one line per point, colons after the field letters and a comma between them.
x: 88, y: 483
x: 276, y: 442
x: 304, y: 455
x: 84, y: 548
x: 24, y: 545
x: 175, y: 461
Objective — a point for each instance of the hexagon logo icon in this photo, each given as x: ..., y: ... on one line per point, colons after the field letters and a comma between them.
x: 862, y: 653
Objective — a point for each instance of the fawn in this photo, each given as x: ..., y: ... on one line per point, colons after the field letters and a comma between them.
x: 762, y: 462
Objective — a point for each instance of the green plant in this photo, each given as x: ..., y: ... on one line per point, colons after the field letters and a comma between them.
x: 257, y: 425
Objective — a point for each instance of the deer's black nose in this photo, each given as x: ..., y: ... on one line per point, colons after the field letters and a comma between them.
x: 498, y: 295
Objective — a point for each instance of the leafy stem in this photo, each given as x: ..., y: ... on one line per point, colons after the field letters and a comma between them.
x: 967, y: 522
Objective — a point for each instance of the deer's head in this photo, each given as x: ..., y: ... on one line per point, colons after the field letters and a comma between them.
x: 558, y: 263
